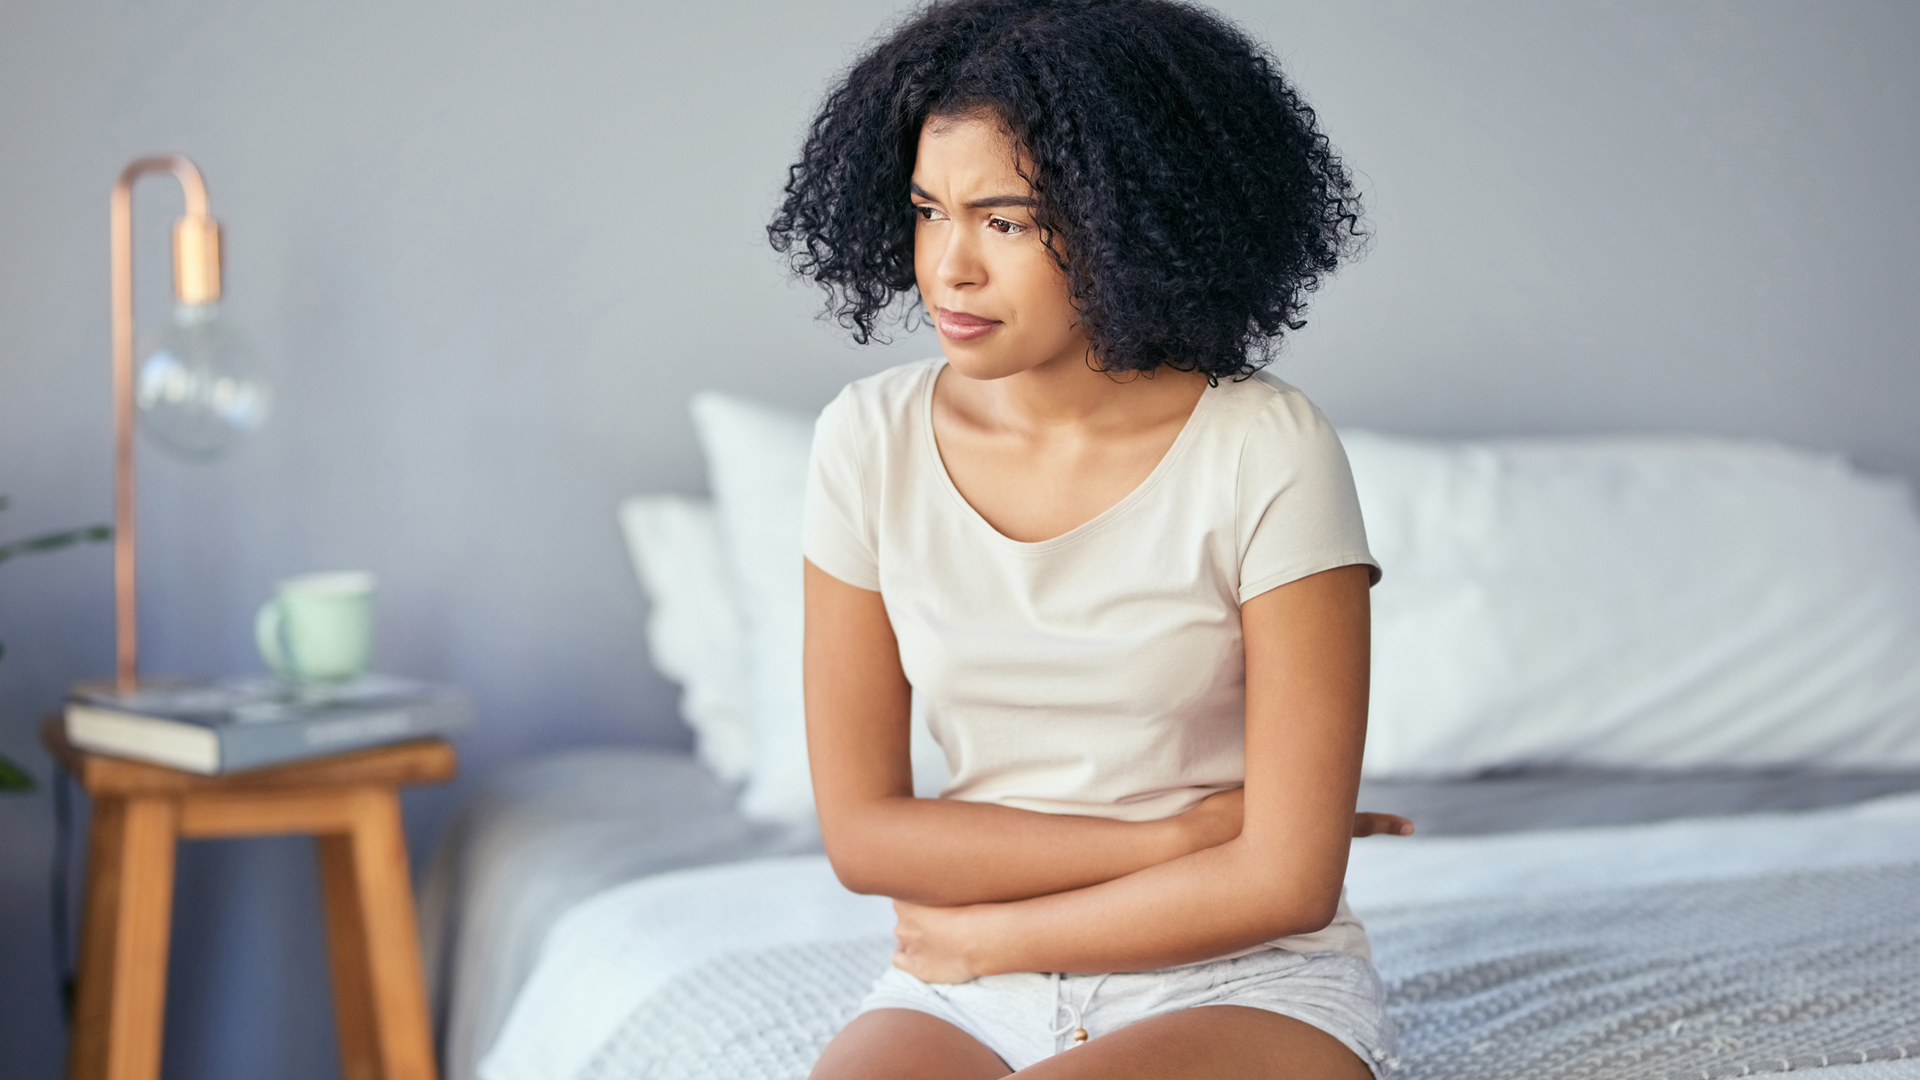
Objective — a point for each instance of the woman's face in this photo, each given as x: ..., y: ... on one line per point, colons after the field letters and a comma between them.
x: 995, y: 293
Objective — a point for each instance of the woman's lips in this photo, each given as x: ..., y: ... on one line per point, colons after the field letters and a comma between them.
x: 960, y: 326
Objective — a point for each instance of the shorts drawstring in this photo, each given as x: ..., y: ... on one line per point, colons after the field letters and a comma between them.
x: 1076, y: 1022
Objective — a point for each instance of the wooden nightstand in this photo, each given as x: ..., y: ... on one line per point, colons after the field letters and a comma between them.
x: 349, y: 803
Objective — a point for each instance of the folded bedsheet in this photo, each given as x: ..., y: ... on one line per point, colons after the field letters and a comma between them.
x: 1707, y: 979
x: 1559, y: 798
x: 537, y: 840
x: 724, y: 936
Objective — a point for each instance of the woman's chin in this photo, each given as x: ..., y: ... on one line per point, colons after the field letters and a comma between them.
x: 987, y: 360
x: 969, y: 360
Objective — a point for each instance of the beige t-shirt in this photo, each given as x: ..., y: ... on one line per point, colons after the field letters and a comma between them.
x: 1101, y: 672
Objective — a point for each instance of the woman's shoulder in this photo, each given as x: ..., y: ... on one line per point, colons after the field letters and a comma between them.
x: 873, y: 420
x: 1265, y: 409
x: 1296, y: 510
x: 886, y: 400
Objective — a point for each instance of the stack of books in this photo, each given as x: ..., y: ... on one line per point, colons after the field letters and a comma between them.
x: 247, y: 723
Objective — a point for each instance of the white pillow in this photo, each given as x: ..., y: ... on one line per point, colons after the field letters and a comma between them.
x: 693, y: 623
x: 1634, y: 602
x: 1644, y: 602
x: 757, y: 467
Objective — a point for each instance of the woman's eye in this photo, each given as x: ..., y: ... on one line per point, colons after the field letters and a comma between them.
x: 1005, y: 227
x: 926, y: 213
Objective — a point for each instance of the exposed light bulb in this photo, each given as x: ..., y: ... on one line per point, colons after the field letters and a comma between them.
x: 199, y: 386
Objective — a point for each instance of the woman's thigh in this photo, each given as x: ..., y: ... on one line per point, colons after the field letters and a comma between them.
x: 901, y: 1044
x: 1212, y: 1042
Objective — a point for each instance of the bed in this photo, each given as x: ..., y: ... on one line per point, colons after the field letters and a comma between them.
x: 1677, y: 836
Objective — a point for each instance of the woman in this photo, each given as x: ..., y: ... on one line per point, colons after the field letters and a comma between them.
x: 1126, y: 577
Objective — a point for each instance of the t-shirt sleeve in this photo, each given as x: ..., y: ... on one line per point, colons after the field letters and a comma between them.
x: 837, y: 535
x: 1295, y: 506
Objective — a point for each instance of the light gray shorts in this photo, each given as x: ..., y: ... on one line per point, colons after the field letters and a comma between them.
x: 1027, y: 1017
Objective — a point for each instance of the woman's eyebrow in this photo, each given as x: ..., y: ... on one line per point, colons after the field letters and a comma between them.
x: 991, y: 202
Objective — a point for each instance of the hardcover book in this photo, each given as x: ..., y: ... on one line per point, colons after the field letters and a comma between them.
x: 239, y: 724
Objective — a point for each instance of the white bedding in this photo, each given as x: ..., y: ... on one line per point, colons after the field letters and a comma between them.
x: 610, y: 952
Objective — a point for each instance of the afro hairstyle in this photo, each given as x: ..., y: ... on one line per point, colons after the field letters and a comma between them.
x: 1179, y: 179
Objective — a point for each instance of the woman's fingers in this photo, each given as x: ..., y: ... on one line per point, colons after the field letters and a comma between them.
x: 926, y: 945
x: 1368, y: 823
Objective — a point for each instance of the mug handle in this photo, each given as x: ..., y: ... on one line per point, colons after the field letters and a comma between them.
x: 269, y: 626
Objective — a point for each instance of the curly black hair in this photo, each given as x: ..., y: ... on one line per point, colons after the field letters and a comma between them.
x: 1179, y: 179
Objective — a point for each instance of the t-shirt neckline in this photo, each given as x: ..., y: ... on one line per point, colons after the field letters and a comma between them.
x: 1160, y: 469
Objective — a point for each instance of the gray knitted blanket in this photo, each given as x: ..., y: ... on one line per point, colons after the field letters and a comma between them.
x: 1697, y: 981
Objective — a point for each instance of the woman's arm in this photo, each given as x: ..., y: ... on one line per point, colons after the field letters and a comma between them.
x: 1307, y: 649
x: 882, y: 840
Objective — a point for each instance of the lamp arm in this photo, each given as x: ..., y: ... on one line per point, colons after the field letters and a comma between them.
x: 126, y: 622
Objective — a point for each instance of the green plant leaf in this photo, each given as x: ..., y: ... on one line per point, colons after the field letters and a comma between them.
x: 13, y: 777
x: 54, y: 541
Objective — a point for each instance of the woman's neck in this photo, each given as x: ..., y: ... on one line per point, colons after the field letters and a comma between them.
x: 1069, y: 393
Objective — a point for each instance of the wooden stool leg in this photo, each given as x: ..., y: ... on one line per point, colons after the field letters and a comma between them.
x: 380, y: 1000
x: 121, y: 1006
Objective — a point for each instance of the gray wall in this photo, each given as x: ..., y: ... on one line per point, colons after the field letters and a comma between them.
x: 491, y: 249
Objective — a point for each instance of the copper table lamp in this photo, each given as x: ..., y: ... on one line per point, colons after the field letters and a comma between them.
x: 197, y: 388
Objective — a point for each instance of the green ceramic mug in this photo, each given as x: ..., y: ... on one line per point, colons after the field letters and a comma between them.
x: 318, y: 627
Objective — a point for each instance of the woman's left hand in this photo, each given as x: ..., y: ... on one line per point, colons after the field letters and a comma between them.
x: 1367, y: 823
x: 933, y: 944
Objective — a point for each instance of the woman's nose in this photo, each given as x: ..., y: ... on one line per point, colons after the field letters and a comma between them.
x: 960, y: 264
